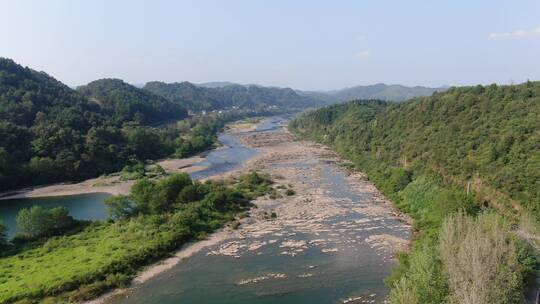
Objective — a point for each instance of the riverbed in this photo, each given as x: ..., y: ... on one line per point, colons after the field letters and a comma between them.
x: 333, y: 241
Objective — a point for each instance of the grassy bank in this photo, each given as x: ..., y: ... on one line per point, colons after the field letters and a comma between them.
x: 471, y: 200
x: 107, y: 255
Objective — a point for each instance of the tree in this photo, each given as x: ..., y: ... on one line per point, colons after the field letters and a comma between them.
x: 168, y: 191
x: 37, y: 221
x: 191, y: 193
x: 32, y: 222
x: 142, y: 194
x: 3, y: 237
x: 120, y: 207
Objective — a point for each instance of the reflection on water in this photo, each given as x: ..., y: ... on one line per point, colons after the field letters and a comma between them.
x: 232, y: 153
x: 84, y: 206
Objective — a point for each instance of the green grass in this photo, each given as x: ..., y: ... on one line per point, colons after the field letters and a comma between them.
x: 102, y: 256
x: 66, y: 262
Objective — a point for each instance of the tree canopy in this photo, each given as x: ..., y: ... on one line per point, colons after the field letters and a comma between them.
x: 233, y: 95
x: 483, y: 135
x: 51, y: 133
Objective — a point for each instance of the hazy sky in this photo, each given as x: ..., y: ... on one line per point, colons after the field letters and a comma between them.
x: 302, y: 44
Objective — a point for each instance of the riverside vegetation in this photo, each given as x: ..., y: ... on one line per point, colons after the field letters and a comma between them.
x: 465, y: 164
x: 51, y: 133
x: 158, y: 216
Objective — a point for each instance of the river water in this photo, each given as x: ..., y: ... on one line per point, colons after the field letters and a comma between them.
x: 228, y: 157
x: 84, y: 206
x: 333, y: 264
x: 342, y: 267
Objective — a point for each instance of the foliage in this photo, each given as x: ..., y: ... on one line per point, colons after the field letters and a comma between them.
x: 485, y: 136
x: 80, y: 266
x: 36, y: 221
x: 229, y: 96
x: 51, y: 133
x: 424, y: 154
x: 480, y: 261
x: 3, y: 238
x: 129, y: 103
x: 422, y: 280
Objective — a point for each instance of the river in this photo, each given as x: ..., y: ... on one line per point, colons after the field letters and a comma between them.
x: 90, y: 206
x: 332, y: 242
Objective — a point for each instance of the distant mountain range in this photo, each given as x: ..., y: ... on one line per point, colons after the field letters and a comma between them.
x: 377, y: 91
x: 214, y: 96
x: 223, y: 94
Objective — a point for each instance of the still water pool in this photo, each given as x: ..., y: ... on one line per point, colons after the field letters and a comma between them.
x: 83, y: 207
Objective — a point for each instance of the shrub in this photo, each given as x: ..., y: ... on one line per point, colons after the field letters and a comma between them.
x: 37, y: 221
x: 3, y: 238
x: 480, y: 260
x: 422, y: 282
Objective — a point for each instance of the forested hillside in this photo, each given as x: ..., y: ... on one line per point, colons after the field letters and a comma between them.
x: 465, y: 164
x: 228, y: 96
x: 51, y: 133
x: 127, y: 102
x: 489, y: 136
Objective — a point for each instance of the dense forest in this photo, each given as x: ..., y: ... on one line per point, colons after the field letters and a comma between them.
x: 51, y: 133
x: 229, y: 96
x: 465, y: 164
x: 128, y: 103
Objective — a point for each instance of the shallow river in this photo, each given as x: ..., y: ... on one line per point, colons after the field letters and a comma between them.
x: 333, y: 263
x: 228, y: 157
x: 84, y: 206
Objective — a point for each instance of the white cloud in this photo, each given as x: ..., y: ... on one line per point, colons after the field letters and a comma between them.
x: 362, y: 54
x: 516, y: 34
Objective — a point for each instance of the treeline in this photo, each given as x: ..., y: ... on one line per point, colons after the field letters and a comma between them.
x: 465, y: 165
x: 233, y: 95
x: 51, y: 133
x: 125, y: 102
x: 157, y: 217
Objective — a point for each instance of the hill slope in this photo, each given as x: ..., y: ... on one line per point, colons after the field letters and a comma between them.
x: 486, y: 135
x: 225, y: 97
x: 51, y: 133
x: 465, y: 165
x: 25, y: 92
x: 131, y: 103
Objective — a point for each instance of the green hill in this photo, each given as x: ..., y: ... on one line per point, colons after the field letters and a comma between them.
x: 128, y: 102
x: 228, y: 96
x: 24, y: 93
x: 465, y: 165
x: 488, y: 136
x: 51, y: 133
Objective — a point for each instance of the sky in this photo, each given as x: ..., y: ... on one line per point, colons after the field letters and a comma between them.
x: 310, y: 45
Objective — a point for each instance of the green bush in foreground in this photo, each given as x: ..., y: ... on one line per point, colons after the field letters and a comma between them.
x: 480, y: 261
x: 80, y: 266
x: 37, y: 222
